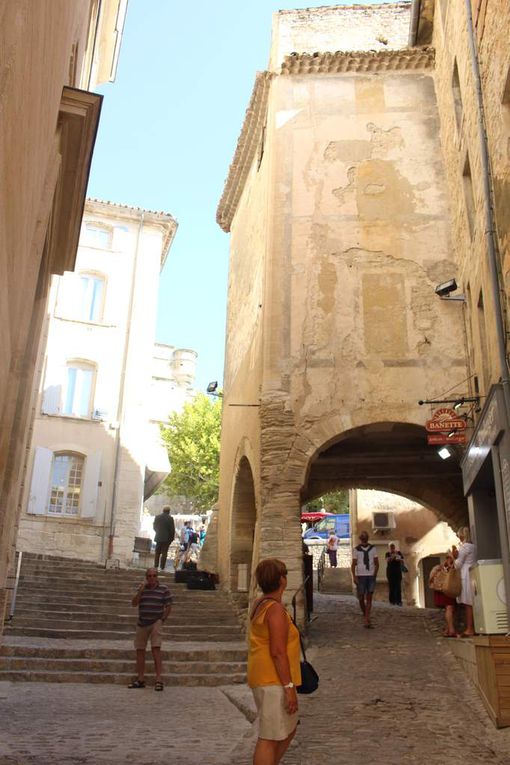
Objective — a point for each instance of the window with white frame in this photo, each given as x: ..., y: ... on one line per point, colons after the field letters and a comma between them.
x: 91, y: 296
x: 96, y: 235
x: 65, y: 484
x: 77, y: 399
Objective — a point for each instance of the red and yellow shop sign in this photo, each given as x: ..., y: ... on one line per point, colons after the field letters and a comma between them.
x: 446, y: 427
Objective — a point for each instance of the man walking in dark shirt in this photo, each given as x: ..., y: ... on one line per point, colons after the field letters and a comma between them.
x: 164, y: 526
x: 154, y: 603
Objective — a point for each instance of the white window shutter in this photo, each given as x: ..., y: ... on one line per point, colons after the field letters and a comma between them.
x: 90, y: 486
x: 70, y: 296
x: 39, y: 488
x: 54, y: 380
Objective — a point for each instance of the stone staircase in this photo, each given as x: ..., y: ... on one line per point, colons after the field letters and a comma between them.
x: 74, y: 623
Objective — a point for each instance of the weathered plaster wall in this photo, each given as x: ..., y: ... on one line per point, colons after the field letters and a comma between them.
x: 417, y: 534
x: 460, y: 140
x: 36, y: 48
x: 362, y: 240
x: 333, y: 28
x: 243, y: 360
x: 358, y: 238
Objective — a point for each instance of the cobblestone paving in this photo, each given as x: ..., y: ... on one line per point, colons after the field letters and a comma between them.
x: 394, y: 694
x: 43, y: 724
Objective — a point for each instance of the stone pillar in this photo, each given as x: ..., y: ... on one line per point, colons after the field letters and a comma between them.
x: 279, y: 528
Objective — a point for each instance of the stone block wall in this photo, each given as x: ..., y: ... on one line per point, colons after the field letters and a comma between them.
x: 339, y: 28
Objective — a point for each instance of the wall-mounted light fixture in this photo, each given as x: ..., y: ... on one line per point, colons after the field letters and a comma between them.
x: 445, y: 289
x: 212, y: 389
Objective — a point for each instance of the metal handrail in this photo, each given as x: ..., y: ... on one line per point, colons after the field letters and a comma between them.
x: 321, y: 565
x: 293, y: 601
x: 15, y: 588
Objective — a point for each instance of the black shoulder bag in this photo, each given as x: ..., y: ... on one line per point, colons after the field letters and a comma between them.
x: 309, y: 677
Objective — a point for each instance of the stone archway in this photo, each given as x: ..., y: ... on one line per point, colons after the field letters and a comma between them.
x: 392, y: 457
x: 244, y: 516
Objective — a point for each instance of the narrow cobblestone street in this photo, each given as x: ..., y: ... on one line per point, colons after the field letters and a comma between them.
x: 387, y: 695
x: 391, y: 694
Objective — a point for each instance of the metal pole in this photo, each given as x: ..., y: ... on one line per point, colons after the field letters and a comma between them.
x: 15, y: 590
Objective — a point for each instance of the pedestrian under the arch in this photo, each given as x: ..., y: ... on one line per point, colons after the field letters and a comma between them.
x: 364, y: 568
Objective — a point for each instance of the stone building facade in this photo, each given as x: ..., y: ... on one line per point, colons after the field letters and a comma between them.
x: 346, y: 209
x: 94, y: 453
x: 337, y: 206
x: 472, y: 73
x: 52, y: 54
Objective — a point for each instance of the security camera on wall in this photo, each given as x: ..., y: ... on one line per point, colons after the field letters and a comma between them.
x: 445, y: 288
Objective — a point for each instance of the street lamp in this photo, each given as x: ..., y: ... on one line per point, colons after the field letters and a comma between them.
x: 212, y: 389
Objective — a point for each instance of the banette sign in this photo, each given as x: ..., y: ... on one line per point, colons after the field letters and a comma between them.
x: 446, y: 427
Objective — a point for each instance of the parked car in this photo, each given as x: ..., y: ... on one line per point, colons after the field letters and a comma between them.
x: 340, y: 524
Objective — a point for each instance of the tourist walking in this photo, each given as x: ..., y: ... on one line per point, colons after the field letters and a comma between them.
x: 465, y: 557
x: 441, y: 600
x: 394, y: 564
x: 154, y: 602
x: 273, y: 665
x: 164, y: 526
x: 332, y: 549
x: 364, y: 568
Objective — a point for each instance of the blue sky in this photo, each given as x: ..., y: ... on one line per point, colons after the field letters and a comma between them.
x: 168, y: 131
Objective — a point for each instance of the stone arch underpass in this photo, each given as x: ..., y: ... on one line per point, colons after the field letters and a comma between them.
x: 243, y: 522
x: 392, y: 457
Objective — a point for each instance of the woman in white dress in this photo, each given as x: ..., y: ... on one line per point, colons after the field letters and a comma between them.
x: 464, y: 558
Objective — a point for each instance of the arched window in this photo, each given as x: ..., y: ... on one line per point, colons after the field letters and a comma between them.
x: 79, y: 387
x: 91, y: 290
x: 66, y: 483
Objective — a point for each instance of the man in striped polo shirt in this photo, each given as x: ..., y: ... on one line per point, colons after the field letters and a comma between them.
x: 154, y: 603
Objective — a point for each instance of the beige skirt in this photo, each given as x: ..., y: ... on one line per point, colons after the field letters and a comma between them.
x: 275, y: 723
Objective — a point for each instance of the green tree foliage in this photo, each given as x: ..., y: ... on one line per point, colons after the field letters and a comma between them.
x: 332, y: 502
x: 192, y: 438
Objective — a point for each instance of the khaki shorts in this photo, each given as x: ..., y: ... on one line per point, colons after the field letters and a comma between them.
x: 275, y: 723
x: 152, y: 631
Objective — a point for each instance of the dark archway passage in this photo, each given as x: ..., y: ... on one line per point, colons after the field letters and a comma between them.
x: 244, y: 515
x: 392, y: 457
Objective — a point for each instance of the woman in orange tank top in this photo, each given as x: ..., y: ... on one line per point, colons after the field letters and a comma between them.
x: 273, y: 665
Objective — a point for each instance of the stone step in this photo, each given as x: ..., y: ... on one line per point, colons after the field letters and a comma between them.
x: 194, y: 611
x: 75, y: 619
x: 95, y: 587
x: 181, y: 598
x: 56, y: 650
x: 43, y: 676
x: 68, y: 564
x: 103, y: 577
x: 74, y: 623
x: 116, y: 666
x: 216, y: 633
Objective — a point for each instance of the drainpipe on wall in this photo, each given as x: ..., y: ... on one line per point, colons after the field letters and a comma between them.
x: 413, y: 27
x: 490, y: 229
x: 493, y: 255
x: 120, y: 404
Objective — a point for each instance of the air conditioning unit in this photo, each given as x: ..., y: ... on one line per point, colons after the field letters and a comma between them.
x: 383, y: 521
x: 100, y: 414
x: 489, y: 597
